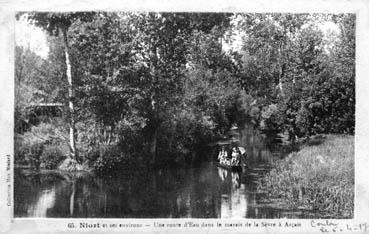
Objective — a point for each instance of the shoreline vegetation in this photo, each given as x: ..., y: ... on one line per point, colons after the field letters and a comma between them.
x: 319, y: 178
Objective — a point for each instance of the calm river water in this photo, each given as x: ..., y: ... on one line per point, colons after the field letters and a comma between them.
x: 202, y: 192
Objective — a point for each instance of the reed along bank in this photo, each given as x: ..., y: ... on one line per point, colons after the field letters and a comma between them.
x: 319, y: 177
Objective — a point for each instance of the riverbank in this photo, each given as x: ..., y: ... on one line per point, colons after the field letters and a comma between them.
x: 319, y: 177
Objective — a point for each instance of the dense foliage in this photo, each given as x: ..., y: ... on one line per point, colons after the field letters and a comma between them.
x: 303, y: 81
x: 151, y: 87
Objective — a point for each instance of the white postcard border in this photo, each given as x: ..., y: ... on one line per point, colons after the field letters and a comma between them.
x: 32, y: 225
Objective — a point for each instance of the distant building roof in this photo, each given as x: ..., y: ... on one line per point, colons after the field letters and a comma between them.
x: 234, y: 127
x: 57, y: 104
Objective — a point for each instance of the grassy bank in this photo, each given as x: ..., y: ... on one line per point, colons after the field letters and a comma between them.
x: 319, y: 178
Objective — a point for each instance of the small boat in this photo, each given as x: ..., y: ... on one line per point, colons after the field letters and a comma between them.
x: 227, y: 163
x: 229, y: 167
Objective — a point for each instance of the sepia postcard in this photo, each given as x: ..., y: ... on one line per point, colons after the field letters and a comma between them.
x: 184, y: 116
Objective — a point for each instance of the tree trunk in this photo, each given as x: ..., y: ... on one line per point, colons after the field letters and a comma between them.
x: 280, y: 75
x: 71, y: 201
x: 70, y: 97
x: 171, y: 139
x: 154, y: 143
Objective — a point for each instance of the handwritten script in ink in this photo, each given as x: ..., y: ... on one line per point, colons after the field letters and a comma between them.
x: 331, y: 226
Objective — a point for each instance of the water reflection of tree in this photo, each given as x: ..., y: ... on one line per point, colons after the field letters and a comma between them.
x: 192, y: 193
x: 74, y: 199
x: 45, y: 201
x: 33, y: 193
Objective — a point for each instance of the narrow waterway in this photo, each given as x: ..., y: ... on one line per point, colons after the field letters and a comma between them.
x: 205, y: 191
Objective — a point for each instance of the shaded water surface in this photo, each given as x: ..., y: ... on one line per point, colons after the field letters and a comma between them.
x: 202, y: 192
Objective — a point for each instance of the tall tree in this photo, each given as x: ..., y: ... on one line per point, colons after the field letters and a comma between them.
x: 110, y: 79
x: 161, y: 42
x: 266, y: 52
x: 55, y: 23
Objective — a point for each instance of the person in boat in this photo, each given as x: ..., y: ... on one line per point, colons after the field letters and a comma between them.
x: 243, y: 155
x: 226, y: 160
x: 235, y: 156
x: 242, y: 150
x: 221, y: 153
x: 222, y: 157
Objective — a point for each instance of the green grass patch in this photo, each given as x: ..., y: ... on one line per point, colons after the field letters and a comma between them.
x: 319, y: 178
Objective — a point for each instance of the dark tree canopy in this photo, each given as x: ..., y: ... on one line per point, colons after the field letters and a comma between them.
x: 53, y: 22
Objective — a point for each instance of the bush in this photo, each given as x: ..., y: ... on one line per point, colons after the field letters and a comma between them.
x: 270, y: 119
x: 20, y: 151
x: 92, y: 137
x: 70, y: 165
x: 42, y: 143
x: 319, y: 178
x: 52, y: 156
x: 111, y: 159
x: 34, y: 154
